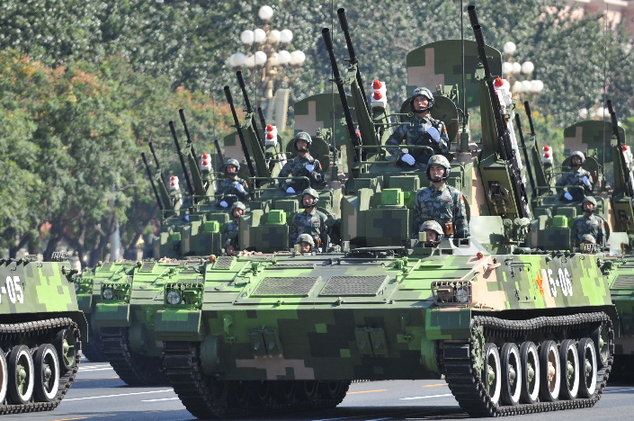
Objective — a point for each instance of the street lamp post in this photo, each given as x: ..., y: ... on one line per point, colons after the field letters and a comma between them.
x: 519, y: 75
x: 268, y: 59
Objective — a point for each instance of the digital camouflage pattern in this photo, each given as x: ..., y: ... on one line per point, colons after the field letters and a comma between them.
x: 425, y: 131
x: 592, y: 225
x: 296, y: 167
x: 444, y: 204
x: 41, y: 329
x: 231, y: 234
x: 574, y: 178
x: 312, y: 223
x: 229, y: 187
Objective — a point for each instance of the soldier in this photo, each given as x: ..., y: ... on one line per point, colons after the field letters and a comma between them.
x: 443, y: 203
x: 310, y: 221
x: 423, y: 130
x: 233, y: 186
x: 302, y: 165
x: 588, y: 224
x: 577, y: 176
x: 306, y: 243
x: 433, y: 232
x: 231, y: 229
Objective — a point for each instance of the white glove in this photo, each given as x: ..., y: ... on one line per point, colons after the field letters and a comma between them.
x: 568, y: 196
x: 224, y: 204
x: 586, y: 180
x: 434, y: 133
x: 408, y: 159
x: 240, y: 188
x: 310, y: 167
x: 290, y: 190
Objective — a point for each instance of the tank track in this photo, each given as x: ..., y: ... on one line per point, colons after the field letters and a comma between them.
x: 131, y: 367
x: 93, y: 348
x: 206, y: 397
x: 458, y: 361
x: 16, y: 333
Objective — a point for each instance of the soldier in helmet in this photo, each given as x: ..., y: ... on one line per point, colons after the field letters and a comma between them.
x: 588, y: 224
x: 423, y: 130
x: 310, y: 221
x: 302, y: 165
x: 232, y: 228
x: 441, y: 202
x: 233, y: 186
x: 306, y: 243
x: 577, y: 176
x: 434, y: 232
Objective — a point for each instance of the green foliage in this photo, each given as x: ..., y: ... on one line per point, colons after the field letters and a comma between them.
x: 72, y: 144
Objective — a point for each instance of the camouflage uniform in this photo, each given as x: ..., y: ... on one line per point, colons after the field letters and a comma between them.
x: 445, y: 204
x: 231, y: 234
x: 296, y: 167
x: 593, y: 225
x: 313, y: 223
x: 228, y: 186
x: 417, y: 134
x: 574, y: 178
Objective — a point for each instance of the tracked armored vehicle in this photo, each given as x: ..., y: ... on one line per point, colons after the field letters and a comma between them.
x: 41, y: 334
x: 512, y: 329
x: 123, y: 297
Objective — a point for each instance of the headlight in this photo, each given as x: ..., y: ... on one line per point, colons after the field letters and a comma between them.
x: 107, y: 294
x: 174, y: 297
x: 462, y: 294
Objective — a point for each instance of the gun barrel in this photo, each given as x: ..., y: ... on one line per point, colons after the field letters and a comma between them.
x: 149, y: 174
x: 527, y: 108
x: 180, y: 156
x: 243, y: 142
x: 325, y: 32
x: 187, y: 136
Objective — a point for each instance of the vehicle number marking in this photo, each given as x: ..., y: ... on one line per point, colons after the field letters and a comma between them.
x: 13, y: 289
x: 563, y: 281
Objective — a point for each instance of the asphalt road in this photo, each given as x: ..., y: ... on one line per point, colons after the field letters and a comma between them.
x: 98, y: 394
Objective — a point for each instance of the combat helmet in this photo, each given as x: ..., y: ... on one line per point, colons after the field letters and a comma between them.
x: 580, y: 155
x: 432, y: 225
x: 588, y: 199
x: 424, y: 92
x: 238, y: 205
x: 311, y: 192
x: 438, y: 160
x: 234, y: 162
x: 302, y: 136
x: 307, y: 239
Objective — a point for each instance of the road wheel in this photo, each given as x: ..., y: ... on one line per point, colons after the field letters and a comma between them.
x: 511, y: 374
x: 492, y: 373
x: 587, y: 353
x: 569, y: 369
x: 46, y: 373
x: 550, y: 364
x: 20, y: 368
x: 65, y: 344
x: 529, y: 358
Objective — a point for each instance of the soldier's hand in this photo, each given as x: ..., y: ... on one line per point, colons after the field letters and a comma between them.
x: 568, y: 196
x: 230, y: 250
x: 434, y: 133
x: 586, y: 180
x: 240, y: 188
x: 290, y: 190
x: 224, y: 204
x: 408, y: 159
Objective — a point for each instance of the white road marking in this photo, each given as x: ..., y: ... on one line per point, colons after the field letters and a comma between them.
x: 425, y: 397
x: 159, y: 400
x: 87, y: 398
